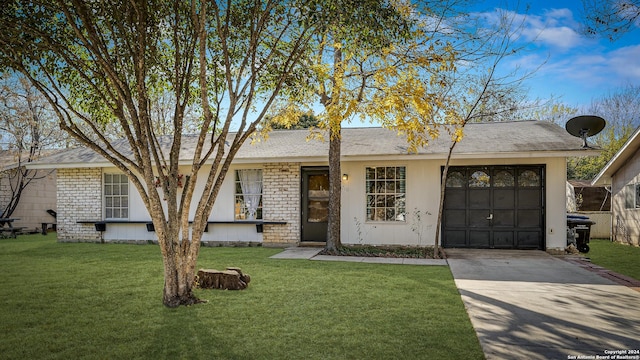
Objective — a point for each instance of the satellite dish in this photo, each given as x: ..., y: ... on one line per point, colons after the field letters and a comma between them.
x: 585, y: 126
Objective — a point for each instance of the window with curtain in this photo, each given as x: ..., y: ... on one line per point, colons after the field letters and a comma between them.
x: 116, y: 196
x: 248, y: 198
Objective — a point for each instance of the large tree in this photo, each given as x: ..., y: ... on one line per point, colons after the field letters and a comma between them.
x: 345, y: 60
x: 367, y: 60
x: 99, y: 62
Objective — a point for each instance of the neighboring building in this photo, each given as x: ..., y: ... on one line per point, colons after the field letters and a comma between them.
x: 505, y: 189
x: 38, y: 197
x: 622, y: 175
x: 594, y: 202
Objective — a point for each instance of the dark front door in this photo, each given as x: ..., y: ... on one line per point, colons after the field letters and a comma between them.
x: 494, y: 207
x: 315, y: 203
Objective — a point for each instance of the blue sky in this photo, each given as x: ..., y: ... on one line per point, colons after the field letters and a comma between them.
x: 575, y: 67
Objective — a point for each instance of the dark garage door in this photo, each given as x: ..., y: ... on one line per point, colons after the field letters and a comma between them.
x: 494, y: 207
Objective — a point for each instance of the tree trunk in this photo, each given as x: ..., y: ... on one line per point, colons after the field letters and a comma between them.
x: 335, y: 190
x: 178, y: 284
x: 443, y: 187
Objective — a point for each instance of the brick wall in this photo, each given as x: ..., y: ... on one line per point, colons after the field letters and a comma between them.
x: 79, y: 198
x: 281, y: 201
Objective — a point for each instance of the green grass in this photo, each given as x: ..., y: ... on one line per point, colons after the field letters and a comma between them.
x: 623, y: 259
x: 103, y: 301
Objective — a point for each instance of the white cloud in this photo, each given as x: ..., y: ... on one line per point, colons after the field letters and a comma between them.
x: 555, y: 27
x: 560, y: 36
x: 587, y: 74
x: 624, y: 62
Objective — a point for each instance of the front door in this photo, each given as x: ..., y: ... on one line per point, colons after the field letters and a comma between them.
x: 494, y: 207
x: 315, y: 203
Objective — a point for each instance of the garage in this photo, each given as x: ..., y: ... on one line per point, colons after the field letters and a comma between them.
x: 499, y: 207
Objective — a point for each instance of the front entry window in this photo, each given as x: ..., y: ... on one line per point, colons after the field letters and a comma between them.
x: 318, y: 195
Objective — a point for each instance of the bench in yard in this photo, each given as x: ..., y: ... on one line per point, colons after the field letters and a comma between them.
x: 13, y: 230
x: 45, y: 225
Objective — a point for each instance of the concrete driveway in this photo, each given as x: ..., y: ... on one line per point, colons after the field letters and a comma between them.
x: 531, y: 305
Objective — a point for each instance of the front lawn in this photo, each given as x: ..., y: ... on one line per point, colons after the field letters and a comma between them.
x: 79, y: 301
x: 623, y: 259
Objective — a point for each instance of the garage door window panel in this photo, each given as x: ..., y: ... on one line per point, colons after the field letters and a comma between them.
x: 529, y: 178
x: 479, y: 179
x: 503, y: 178
x: 455, y: 179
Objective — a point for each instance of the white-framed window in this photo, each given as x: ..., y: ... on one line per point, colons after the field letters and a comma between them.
x: 248, y: 194
x: 386, y: 193
x: 116, y: 196
x: 632, y: 196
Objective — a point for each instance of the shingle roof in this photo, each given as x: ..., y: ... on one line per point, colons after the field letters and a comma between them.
x: 9, y: 158
x: 482, y: 139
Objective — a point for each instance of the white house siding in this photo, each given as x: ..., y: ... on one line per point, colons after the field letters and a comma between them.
x: 79, y: 197
x: 422, y: 198
x: 625, y: 222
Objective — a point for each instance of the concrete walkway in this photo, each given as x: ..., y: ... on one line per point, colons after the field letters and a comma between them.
x: 312, y: 254
x: 531, y: 305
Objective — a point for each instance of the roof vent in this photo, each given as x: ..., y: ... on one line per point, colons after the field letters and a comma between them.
x: 585, y: 126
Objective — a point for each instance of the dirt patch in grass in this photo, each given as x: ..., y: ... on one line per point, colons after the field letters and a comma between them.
x: 382, y: 251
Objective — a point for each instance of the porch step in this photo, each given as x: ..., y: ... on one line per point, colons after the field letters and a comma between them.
x: 312, y: 244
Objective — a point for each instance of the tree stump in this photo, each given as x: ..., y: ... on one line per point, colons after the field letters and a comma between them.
x: 230, y: 279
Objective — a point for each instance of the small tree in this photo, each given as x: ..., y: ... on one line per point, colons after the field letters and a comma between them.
x: 476, y: 91
x: 28, y: 127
